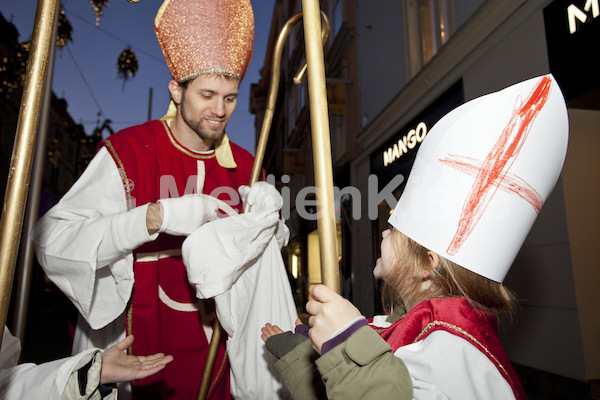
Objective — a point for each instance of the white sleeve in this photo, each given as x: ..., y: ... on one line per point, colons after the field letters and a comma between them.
x: 52, y: 380
x: 89, y: 229
x: 445, y: 366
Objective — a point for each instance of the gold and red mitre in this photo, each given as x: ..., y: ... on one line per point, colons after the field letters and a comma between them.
x: 205, y: 37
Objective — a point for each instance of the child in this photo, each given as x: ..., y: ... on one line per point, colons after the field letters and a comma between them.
x: 477, y: 185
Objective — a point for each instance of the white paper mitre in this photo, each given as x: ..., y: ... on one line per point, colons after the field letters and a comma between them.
x: 482, y: 175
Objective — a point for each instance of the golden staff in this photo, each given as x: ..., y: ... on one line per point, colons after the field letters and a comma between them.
x: 25, y: 137
x: 257, y: 166
x: 319, y: 121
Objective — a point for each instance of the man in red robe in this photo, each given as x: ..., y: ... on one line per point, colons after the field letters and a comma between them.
x: 113, y: 243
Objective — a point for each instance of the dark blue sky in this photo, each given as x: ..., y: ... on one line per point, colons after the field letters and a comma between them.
x: 85, y: 72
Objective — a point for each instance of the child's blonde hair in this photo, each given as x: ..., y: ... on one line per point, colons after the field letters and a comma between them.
x: 403, y: 286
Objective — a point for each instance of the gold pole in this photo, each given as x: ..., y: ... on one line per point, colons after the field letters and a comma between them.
x: 20, y: 166
x: 321, y: 144
x: 257, y: 166
x: 27, y: 249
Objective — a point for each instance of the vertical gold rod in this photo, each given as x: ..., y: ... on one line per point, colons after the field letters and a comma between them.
x: 254, y: 176
x: 23, y: 150
x: 27, y: 249
x: 272, y: 99
x: 321, y: 144
x: 211, y: 359
x: 257, y: 167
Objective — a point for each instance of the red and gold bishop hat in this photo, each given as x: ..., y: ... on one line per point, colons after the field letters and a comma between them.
x: 205, y: 37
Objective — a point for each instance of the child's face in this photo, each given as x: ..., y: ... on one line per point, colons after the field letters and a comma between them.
x: 384, y: 264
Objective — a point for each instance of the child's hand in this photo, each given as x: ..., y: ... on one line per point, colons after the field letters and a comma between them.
x: 329, y: 312
x: 269, y: 330
x: 278, y: 342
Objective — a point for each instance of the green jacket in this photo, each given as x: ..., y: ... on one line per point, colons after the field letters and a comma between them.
x: 361, y: 367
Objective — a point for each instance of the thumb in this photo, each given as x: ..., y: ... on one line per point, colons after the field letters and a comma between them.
x: 125, y: 343
x: 323, y: 294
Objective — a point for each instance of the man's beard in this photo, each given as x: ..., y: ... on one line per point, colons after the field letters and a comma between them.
x: 196, y: 125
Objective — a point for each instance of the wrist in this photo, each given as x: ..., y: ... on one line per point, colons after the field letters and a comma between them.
x: 154, y: 217
x: 342, y: 334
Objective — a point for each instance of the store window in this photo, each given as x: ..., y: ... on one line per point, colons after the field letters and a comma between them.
x: 430, y: 24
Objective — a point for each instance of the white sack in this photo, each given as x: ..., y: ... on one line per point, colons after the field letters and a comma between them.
x: 237, y: 261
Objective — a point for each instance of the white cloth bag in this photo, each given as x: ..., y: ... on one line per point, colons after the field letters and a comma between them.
x: 237, y: 261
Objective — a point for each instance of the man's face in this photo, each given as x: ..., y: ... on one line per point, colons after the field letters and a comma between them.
x: 207, y: 104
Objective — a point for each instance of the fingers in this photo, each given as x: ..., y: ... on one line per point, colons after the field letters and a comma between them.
x: 211, y: 209
x: 243, y: 191
x: 153, y: 357
x: 313, y: 308
x: 269, y: 330
x: 151, y: 367
x: 163, y: 360
x: 155, y: 360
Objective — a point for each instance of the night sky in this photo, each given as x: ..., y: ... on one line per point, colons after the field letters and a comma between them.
x: 85, y: 72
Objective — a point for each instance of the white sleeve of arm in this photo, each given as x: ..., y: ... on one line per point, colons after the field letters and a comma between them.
x: 85, y: 242
x: 57, y: 379
x: 445, y: 366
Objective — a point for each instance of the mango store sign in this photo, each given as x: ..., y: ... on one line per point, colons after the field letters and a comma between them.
x: 577, y: 16
x: 405, y: 144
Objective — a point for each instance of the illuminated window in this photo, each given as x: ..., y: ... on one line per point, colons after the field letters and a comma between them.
x: 429, y: 25
x: 295, y: 268
x: 435, y: 26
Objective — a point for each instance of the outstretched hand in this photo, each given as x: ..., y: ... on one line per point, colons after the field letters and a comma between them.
x: 329, y: 312
x: 120, y: 367
x: 271, y: 330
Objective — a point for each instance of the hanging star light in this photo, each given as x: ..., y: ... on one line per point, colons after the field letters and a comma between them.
x: 64, y: 30
x: 127, y: 64
x: 97, y: 6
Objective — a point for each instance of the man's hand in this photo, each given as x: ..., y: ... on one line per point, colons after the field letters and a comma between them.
x: 181, y: 216
x: 329, y: 312
x: 119, y: 367
x: 262, y: 196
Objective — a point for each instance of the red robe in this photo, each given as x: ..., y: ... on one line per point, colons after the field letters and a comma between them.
x: 456, y: 316
x: 149, y: 156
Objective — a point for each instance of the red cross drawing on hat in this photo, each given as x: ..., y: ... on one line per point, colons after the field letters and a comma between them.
x: 493, y: 173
